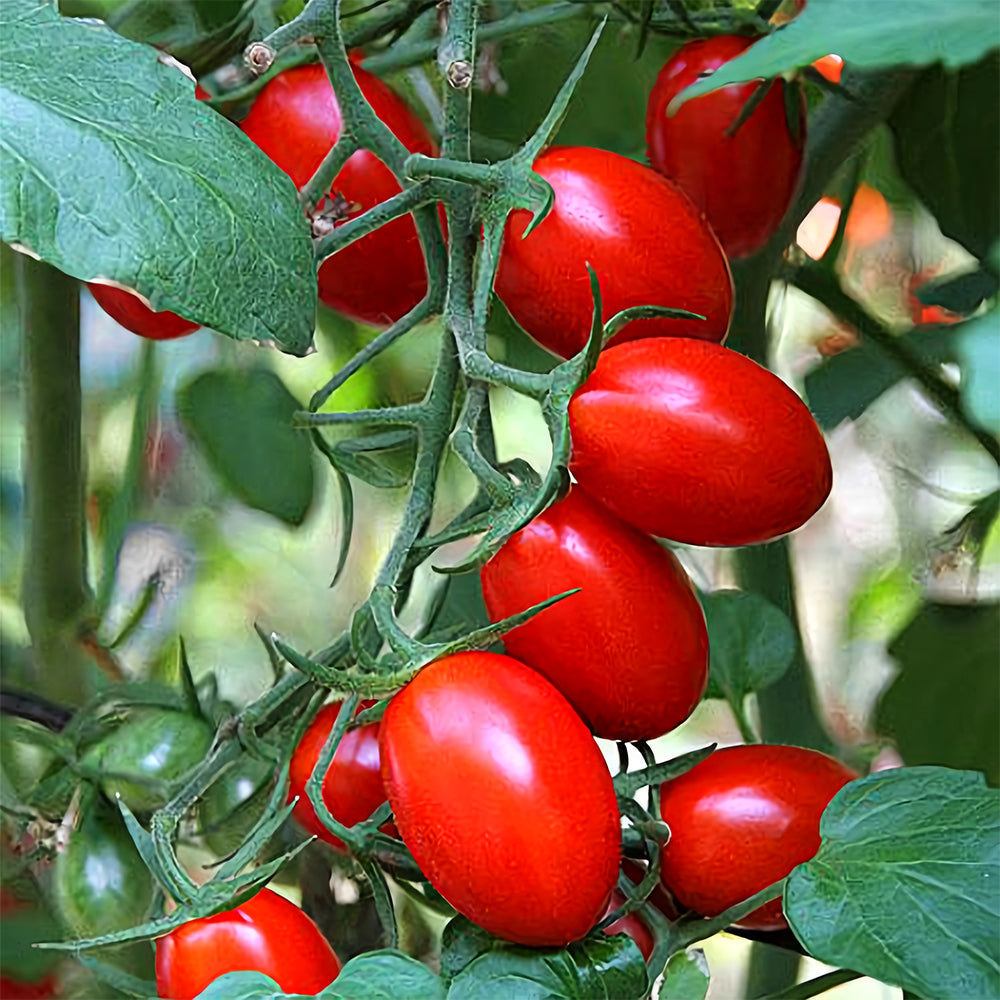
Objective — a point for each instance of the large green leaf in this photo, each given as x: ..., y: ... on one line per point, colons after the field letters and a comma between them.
x: 591, y: 968
x: 945, y: 135
x: 844, y: 386
x: 944, y: 707
x: 109, y: 167
x: 906, y: 885
x: 977, y: 344
x: 376, y: 975
x: 242, y: 421
x: 751, y: 643
x: 867, y: 36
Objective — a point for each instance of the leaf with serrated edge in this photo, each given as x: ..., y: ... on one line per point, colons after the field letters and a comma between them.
x: 110, y: 167
x: 923, y: 32
x: 905, y: 885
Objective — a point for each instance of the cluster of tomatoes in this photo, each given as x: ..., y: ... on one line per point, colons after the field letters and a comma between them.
x: 489, y: 763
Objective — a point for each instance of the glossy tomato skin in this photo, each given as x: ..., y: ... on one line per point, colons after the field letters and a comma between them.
x: 502, y: 795
x: 630, y: 651
x: 265, y: 934
x: 644, y: 238
x: 129, y: 311
x: 696, y: 443
x: 743, y: 183
x: 295, y: 120
x: 742, y: 819
x: 352, y: 786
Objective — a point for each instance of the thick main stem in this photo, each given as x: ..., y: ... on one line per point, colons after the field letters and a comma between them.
x: 55, y: 594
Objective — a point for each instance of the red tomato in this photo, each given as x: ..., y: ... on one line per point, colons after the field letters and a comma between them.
x: 129, y: 311
x: 40, y: 989
x: 631, y: 924
x: 743, y: 183
x: 742, y: 819
x: 352, y: 787
x: 831, y: 67
x: 630, y: 651
x: 644, y: 239
x: 265, y: 934
x: 503, y: 797
x: 694, y: 442
x: 296, y: 120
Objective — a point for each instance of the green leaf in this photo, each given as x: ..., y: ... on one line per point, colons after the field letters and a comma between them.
x: 904, y: 887
x: 244, y: 986
x: 596, y: 967
x: 844, y: 386
x: 939, y: 127
x: 961, y: 293
x: 376, y: 975
x: 944, y: 707
x: 751, y: 643
x: 685, y: 977
x: 922, y: 32
x: 242, y: 421
x: 385, y: 975
x: 977, y: 344
x: 462, y: 941
x: 109, y: 167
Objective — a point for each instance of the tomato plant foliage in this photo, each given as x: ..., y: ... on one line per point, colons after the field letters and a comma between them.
x: 468, y: 178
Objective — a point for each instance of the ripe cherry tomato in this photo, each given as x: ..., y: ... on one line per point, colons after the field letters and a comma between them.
x: 503, y: 797
x: 352, y: 787
x: 40, y: 989
x: 265, y: 934
x: 831, y: 67
x: 630, y: 651
x: 296, y: 120
x: 131, y: 312
x: 742, y: 819
x: 743, y: 183
x: 694, y: 442
x: 644, y: 239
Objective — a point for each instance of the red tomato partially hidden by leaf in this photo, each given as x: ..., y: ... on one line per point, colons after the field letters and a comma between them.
x: 265, y: 934
x: 352, y: 786
x: 644, y: 239
x: 296, y: 120
x: 631, y: 924
x: 696, y: 443
x: 742, y: 819
x: 130, y: 311
x: 831, y: 67
x: 630, y: 651
x: 744, y: 182
x: 502, y: 795
x: 40, y: 989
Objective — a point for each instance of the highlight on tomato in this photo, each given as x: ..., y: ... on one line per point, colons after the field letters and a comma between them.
x: 503, y: 797
x: 646, y: 241
x: 352, y: 786
x: 130, y: 310
x: 266, y: 934
x: 296, y: 120
x: 741, y: 820
x: 696, y: 443
x: 745, y: 180
x: 630, y: 650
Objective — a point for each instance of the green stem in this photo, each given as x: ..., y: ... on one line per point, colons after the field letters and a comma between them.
x: 400, y: 56
x: 55, y: 593
x: 738, y: 707
x: 816, y: 280
x: 814, y: 987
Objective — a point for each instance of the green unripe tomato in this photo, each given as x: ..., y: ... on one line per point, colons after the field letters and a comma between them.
x: 101, y: 884
x: 234, y: 803
x: 144, y: 759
